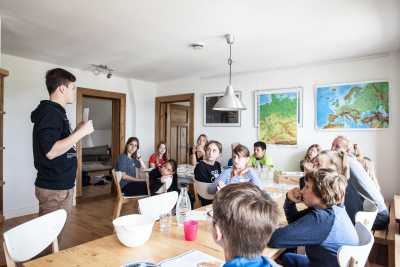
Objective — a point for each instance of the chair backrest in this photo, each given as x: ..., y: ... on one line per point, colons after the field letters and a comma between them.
x: 27, y: 240
x: 201, y: 189
x: 117, y: 176
x: 157, y: 205
x: 357, y: 255
x: 368, y: 215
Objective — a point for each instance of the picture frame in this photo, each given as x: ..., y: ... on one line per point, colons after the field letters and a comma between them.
x: 342, y: 88
x: 297, y: 89
x: 281, y: 112
x: 216, y: 118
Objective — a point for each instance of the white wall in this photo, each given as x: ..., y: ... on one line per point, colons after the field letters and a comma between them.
x: 382, y: 146
x: 24, y: 88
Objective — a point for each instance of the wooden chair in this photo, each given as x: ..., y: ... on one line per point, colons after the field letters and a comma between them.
x: 385, y: 238
x: 157, y: 205
x: 368, y: 215
x: 201, y: 189
x: 121, y: 198
x: 27, y: 240
x: 357, y: 255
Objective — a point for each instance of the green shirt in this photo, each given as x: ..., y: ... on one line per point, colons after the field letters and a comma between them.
x: 266, y: 161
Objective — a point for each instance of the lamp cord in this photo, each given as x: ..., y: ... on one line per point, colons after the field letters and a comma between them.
x: 230, y: 63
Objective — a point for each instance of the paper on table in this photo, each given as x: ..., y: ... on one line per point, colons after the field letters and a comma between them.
x: 190, y: 259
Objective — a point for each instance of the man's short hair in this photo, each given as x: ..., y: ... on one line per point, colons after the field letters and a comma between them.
x: 260, y: 144
x: 341, y: 143
x: 218, y: 144
x: 328, y: 185
x: 246, y: 216
x: 57, y: 77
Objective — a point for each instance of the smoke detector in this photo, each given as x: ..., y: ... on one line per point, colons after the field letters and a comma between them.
x: 197, y: 46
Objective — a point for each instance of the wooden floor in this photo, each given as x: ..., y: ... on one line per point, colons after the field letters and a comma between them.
x: 91, y: 191
x: 89, y: 221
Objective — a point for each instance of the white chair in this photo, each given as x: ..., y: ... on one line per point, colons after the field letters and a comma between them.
x: 201, y: 189
x: 121, y: 198
x: 157, y: 205
x: 368, y: 215
x: 27, y: 240
x: 357, y: 255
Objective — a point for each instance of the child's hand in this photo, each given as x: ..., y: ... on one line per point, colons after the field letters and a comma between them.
x: 164, y: 179
x: 295, y: 195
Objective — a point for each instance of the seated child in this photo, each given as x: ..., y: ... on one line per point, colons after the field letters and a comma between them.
x: 164, y: 179
x: 240, y: 171
x: 260, y: 157
x: 322, y: 228
x: 209, y: 168
x: 244, y: 217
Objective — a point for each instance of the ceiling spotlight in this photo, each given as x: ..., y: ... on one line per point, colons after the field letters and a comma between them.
x: 97, y: 69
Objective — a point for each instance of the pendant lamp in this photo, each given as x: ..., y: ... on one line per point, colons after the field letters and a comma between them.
x: 229, y: 102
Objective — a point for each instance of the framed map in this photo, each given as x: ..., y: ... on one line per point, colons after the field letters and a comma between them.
x: 219, y: 118
x: 363, y: 105
x: 277, y: 115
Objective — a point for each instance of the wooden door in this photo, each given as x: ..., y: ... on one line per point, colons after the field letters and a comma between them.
x: 177, y: 132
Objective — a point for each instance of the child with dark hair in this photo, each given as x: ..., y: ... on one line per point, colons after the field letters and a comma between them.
x: 207, y: 170
x: 128, y: 163
x: 260, y: 157
x: 244, y: 217
x: 164, y: 179
x: 322, y: 228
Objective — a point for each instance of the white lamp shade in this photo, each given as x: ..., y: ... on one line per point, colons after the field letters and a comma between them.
x: 229, y: 102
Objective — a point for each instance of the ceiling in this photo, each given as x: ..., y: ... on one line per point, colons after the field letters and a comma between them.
x: 149, y: 40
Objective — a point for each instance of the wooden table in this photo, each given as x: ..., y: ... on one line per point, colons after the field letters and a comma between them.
x: 108, y: 251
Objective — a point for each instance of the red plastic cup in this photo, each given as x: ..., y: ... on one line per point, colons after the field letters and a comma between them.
x: 190, y: 229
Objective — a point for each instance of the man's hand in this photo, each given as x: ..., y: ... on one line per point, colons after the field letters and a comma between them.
x: 85, y: 128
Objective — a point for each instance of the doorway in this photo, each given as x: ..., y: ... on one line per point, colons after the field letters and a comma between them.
x: 98, y: 152
x: 174, y: 124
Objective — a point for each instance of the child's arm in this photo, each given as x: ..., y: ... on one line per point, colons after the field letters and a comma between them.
x: 292, y: 197
x: 311, y: 229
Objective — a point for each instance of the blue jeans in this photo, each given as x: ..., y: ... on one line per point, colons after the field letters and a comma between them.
x: 294, y: 260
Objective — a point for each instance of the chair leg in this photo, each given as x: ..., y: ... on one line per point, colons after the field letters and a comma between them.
x: 55, y: 246
x: 117, y: 209
x: 9, y: 261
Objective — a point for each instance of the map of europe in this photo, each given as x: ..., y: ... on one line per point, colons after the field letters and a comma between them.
x: 360, y: 105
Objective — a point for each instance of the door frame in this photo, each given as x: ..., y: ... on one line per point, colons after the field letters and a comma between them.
x: 118, y: 141
x: 3, y: 74
x: 158, y: 117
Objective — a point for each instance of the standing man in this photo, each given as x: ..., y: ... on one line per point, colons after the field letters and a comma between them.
x: 54, y: 149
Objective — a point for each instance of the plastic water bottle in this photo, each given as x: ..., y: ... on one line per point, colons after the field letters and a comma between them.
x: 183, y: 206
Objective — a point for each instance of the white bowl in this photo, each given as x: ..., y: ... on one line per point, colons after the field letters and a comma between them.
x: 133, y: 230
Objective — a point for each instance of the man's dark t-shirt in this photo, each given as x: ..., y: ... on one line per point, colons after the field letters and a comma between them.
x: 51, y: 125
